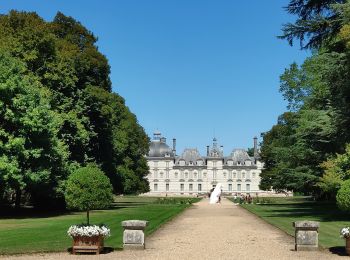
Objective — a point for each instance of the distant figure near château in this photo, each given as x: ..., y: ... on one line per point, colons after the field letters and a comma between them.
x: 216, y: 194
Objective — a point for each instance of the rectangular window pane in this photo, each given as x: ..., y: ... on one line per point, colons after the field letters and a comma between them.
x: 155, y: 187
x: 182, y: 187
x: 238, y: 187
x: 248, y: 187
x: 191, y: 187
x: 167, y: 187
x: 230, y: 187
x: 199, y: 187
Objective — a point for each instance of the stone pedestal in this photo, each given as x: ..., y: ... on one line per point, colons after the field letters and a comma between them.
x: 306, y: 235
x: 134, y: 236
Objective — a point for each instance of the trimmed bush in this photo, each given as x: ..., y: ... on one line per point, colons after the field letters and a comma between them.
x: 88, y: 188
x: 343, y: 196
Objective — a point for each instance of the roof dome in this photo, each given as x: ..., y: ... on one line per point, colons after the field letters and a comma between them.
x: 158, y: 146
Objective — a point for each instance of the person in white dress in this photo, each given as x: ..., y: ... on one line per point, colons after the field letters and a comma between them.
x: 216, y: 194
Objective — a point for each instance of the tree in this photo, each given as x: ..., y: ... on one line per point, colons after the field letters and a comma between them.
x: 318, y: 95
x: 92, y: 123
x: 336, y: 171
x: 32, y: 158
x: 318, y: 22
x: 88, y: 188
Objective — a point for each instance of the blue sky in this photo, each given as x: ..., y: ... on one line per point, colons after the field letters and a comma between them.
x: 189, y: 68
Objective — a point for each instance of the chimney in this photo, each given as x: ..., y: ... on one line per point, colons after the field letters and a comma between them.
x: 207, y: 150
x: 256, y: 147
x: 174, y: 146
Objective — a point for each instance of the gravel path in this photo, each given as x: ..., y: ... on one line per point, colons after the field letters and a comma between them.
x: 222, y: 231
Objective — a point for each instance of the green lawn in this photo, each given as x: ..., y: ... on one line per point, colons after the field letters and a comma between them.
x: 42, y: 232
x: 282, y: 212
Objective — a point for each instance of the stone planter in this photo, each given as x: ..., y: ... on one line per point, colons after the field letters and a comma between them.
x: 347, y: 245
x: 133, y: 235
x: 85, y: 244
x: 306, y: 235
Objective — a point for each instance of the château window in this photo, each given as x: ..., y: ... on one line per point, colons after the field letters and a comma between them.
x: 199, y: 187
x: 230, y: 187
x: 254, y: 174
x: 238, y: 187
x: 247, y: 187
x: 234, y: 175
x: 155, y: 187
x: 167, y: 187
x: 182, y: 187
x: 176, y: 175
x: 243, y: 175
x: 190, y: 187
x: 186, y: 175
x: 195, y: 175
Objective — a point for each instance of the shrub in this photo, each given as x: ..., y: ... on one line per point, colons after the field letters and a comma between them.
x: 343, y: 196
x: 88, y: 188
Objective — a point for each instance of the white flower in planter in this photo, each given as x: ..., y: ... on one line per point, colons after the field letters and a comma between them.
x: 88, y: 231
x: 345, y: 232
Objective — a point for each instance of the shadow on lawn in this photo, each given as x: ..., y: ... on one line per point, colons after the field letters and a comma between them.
x: 324, y: 211
x: 30, y: 212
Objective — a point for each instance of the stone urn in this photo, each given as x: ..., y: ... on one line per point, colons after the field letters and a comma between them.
x: 347, y: 245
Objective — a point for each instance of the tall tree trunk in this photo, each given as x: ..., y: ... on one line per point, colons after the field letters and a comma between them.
x: 18, y: 198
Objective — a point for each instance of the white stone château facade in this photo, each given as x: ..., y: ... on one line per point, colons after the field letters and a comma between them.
x: 192, y: 174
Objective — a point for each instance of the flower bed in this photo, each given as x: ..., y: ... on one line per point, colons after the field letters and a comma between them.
x: 88, y: 238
